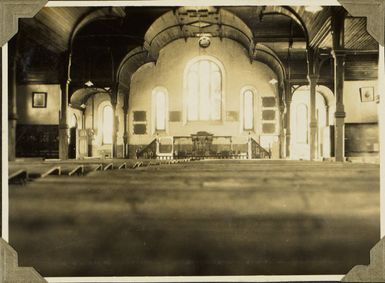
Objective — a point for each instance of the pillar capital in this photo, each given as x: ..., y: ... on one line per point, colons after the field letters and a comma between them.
x: 63, y: 126
x: 313, y: 78
x: 340, y: 114
x: 13, y: 116
x: 338, y: 53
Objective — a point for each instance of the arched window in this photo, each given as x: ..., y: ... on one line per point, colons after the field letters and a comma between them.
x: 204, y: 91
x: 107, y: 121
x: 160, y: 110
x: 302, y: 124
x: 248, y: 110
x: 74, y: 121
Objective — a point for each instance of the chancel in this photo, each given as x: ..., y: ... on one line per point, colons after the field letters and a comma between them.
x: 240, y: 120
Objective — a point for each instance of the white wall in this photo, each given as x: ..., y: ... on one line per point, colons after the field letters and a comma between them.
x: 168, y: 72
x: 38, y: 116
x: 357, y: 111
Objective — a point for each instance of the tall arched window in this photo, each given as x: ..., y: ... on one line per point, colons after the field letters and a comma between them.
x: 160, y: 110
x: 107, y: 121
x: 204, y: 91
x: 302, y: 124
x: 248, y: 109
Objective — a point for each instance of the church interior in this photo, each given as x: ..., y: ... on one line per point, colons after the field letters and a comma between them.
x: 193, y: 140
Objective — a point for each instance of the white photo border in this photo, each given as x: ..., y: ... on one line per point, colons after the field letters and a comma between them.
x: 149, y: 3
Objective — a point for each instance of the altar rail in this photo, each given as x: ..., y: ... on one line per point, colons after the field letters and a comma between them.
x: 203, y: 147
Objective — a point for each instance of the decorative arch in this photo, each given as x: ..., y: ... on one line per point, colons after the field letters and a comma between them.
x: 329, y: 99
x: 80, y: 96
x: 136, y: 58
x: 324, y: 112
x: 288, y: 11
x: 266, y: 55
x: 93, y: 16
x: 171, y: 26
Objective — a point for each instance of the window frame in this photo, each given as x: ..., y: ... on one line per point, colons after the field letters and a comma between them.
x: 154, y: 115
x: 103, y: 121
x: 256, y: 105
x: 222, y: 73
x: 245, y: 91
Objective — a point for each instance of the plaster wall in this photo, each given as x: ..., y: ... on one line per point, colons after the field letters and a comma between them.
x: 169, y: 73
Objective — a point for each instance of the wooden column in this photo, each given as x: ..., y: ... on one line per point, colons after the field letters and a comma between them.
x: 63, y: 123
x: 313, y: 76
x: 12, y: 100
x: 115, y: 127
x: 339, y: 124
x: 288, y: 97
x: 282, y: 138
x: 281, y: 95
x: 338, y: 20
x: 125, y: 134
x: 313, y: 125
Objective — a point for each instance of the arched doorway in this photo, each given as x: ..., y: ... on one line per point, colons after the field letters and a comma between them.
x: 300, y: 130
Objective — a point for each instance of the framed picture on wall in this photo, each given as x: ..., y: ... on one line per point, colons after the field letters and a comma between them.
x: 39, y: 99
x: 367, y: 94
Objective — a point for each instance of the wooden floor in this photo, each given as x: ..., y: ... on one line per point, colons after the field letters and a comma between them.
x: 227, y: 217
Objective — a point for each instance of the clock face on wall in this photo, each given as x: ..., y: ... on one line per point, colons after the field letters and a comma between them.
x: 204, y: 41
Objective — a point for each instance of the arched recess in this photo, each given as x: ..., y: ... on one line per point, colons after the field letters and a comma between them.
x: 130, y: 64
x: 221, y: 88
x: 325, y: 101
x: 267, y: 56
x: 104, y: 127
x: 184, y: 23
x: 80, y: 96
x: 290, y: 12
x: 94, y: 15
x: 330, y: 99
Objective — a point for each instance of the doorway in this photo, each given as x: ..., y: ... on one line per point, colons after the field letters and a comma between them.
x: 73, y: 137
x: 300, y: 131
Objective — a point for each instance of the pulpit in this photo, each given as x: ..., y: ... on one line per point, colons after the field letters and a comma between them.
x: 202, y: 142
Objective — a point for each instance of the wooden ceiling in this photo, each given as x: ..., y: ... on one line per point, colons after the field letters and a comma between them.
x: 52, y: 27
x: 286, y: 31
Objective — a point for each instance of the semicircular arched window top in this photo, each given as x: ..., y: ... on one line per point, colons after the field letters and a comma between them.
x: 204, y: 91
x: 108, y: 116
x: 248, y: 110
x: 160, y: 110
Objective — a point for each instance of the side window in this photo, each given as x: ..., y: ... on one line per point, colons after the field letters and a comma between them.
x: 248, y: 110
x: 160, y: 110
x: 107, y: 126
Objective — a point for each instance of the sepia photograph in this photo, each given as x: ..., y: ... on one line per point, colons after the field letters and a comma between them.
x: 176, y: 140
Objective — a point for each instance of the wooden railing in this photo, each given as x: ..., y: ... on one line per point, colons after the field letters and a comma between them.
x: 148, y: 152
x: 256, y: 151
x: 202, y: 147
x: 165, y: 148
